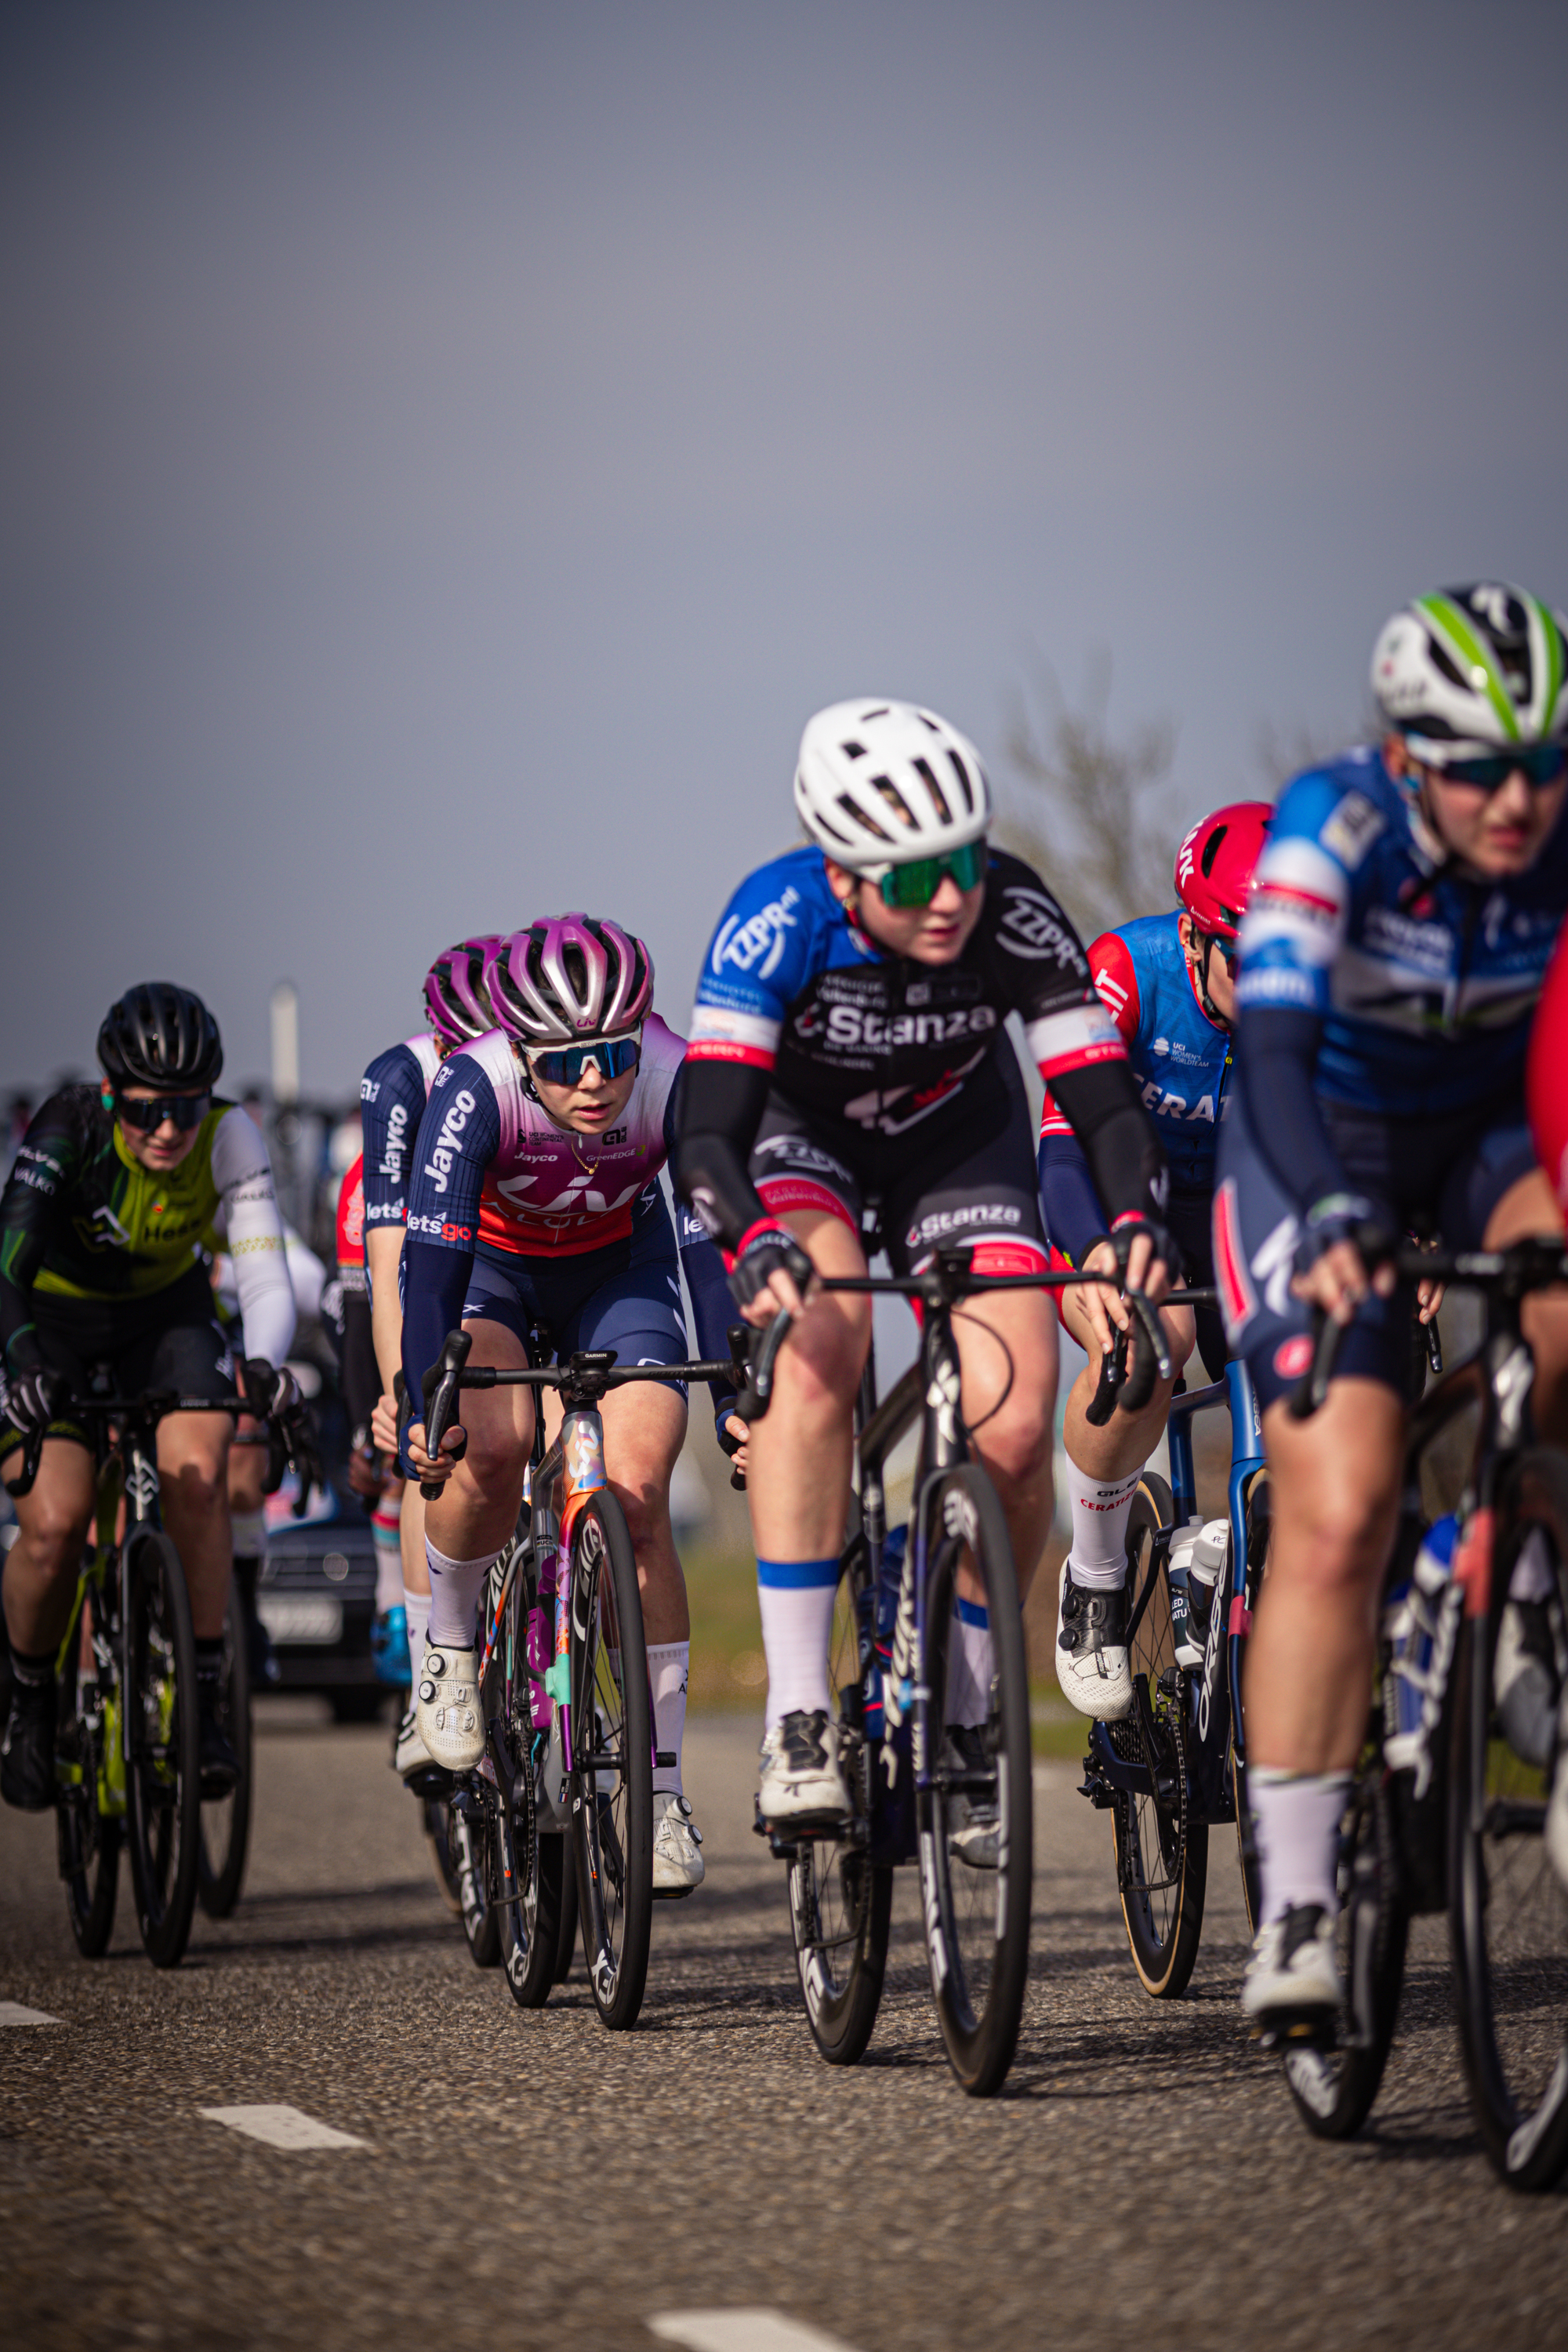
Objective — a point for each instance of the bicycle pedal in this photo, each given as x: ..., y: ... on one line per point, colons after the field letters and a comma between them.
x: 431, y: 1781
x: 1093, y: 1786
x: 1314, y: 2029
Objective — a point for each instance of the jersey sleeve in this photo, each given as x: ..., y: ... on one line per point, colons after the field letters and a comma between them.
x: 1043, y: 973
x: 392, y: 1104
x: 457, y: 1138
x: 1115, y: 979
x: 51, y: 1156
x: 758, y: 960
x: 248, y: 1219
x: 1295, y: 919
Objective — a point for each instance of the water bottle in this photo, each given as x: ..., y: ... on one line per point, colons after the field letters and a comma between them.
x: 1198, y: 1558
x: 1419, y: 1646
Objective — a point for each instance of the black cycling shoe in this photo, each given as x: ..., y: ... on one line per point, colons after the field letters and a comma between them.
x: 220, y: 1765
x: 27, y: 1752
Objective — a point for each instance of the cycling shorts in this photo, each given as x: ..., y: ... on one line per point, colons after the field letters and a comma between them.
x: 170, y: 1338
x: 1444, y: 1175
x: 970, y: 1182
x: 625, y: 1296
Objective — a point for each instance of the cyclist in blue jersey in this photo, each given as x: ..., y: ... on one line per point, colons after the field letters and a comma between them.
x: 393, y: 1095
x: 848, y: 1049
x: 1168, y: 982
x: 534, y: 1201
x: 1404, y: 914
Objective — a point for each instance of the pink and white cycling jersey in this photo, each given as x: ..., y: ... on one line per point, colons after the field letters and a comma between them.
x: 490, y: 1164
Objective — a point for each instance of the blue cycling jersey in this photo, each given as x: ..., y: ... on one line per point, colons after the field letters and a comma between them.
x: 1424, y: 979
x: 392, y: 1094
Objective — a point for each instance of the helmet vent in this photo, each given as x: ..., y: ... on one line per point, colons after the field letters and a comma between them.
x: 962, y: 773
x: 853, y: 751
x: 1444, y: 661
x: 923, y: 767
x: 861, y: 818
x: 1211, y: 848
x: 896, y: 801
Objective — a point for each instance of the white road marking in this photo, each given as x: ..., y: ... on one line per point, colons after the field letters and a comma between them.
x: 16, y: 2012
x: 280, y: 2127
x: 749, y: 2329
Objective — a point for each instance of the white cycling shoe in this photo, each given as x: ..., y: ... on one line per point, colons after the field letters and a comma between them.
x: 1292, y: 1983
x: 447, y: 1711
x: 676, y: 1859
x: 973, y: 1829
x: 410, y: 1755
x: 1092, y: 1664
x: 802, y: 1785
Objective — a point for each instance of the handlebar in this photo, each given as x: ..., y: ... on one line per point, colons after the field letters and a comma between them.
x: 1523, y: 1266
x: 290, y: 1426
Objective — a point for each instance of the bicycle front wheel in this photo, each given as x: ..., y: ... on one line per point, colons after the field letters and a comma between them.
x: 1508, y: 1909
x: 162, y: 1770
x: 975, y: 1815
x: 90, y: 1797
x: 1161, y: 1853
x: 225, y: 1821
x: 612, y: 1759
x: 1334, y: 2089
x: 840, y: 1904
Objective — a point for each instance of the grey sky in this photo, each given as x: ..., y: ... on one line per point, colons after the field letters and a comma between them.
x: 449, y: 451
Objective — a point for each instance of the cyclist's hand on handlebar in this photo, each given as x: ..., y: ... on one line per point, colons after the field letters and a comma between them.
x: 1145, y: 1255
x: 435, y: 1473
x: 270, y: 1393
x: 1103, y: 1309
x: 1338, y: 1281
x: 770, y: 1274
x: 384, y: 1427
x: 34, y: 1398
x: 1428, y: 1300
x: 732, y: 1437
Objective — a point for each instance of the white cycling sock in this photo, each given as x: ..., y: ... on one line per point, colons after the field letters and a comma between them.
x: 1295, y: 1818
x: 418, y: 1607
x: 1100, y: 1507
x: 248, y: 1534
x: 668, y: 1670
x: 970, y: 1663
x: 797, y: 1599
x: 454, y: 1588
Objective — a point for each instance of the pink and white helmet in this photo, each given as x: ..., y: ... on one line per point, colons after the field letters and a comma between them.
x: 569, y: 977
x: 456, y: 1002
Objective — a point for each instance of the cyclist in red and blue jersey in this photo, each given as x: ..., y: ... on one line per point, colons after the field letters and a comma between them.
x: 1404, y: 914
x: 849, y: 1050
x: 534, y: 1201
x: 1168, y: 982
x: 393, y: 1095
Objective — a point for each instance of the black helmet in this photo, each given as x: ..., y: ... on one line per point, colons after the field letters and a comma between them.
x: 162, y: 1037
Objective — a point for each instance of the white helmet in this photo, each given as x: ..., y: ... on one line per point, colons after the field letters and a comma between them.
x: 1473, y: 669
x: 879, y: 783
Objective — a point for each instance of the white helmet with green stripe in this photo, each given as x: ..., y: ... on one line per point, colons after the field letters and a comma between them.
x: 1471, y: 670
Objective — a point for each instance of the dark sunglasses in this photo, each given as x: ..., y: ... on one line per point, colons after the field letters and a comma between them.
x: 917, y: 882
x: 612, y: 1058
x: 185, y: 1110
x: 1540, y: 765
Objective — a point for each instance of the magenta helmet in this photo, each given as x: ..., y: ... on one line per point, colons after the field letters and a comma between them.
x: 456, y: 1002
x: 569, y: 976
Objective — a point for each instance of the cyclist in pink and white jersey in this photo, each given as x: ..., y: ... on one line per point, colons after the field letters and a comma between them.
x: 534, y: 1201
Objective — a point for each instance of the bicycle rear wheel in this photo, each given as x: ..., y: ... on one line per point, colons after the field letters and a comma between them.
x: 225, y: 1821
x: 976, y: 1818
x: 612, y: 1759
x: 433, y: 1821
x: 839, y: 1905
x: 163, y: 1772
x: 529, y: 1894
x: 90, y: 1794
x: 1334, y: 2089
x: 1508, y: 1908
x: 1161, y: 1853
x: 1258, y: 1523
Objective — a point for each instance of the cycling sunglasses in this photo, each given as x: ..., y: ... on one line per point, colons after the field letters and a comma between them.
x: 185, y: 1110
x: 917, y: 882
x: 1540, y: 765
x: 612, y: 1057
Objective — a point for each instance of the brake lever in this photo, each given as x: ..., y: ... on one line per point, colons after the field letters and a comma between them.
x: 32, y: 1455
x: 1152, y: 1361
x: 1113, y: 1372
x: 1308, y: 1395
x: 757, y: 1395
x: 441, y: 1384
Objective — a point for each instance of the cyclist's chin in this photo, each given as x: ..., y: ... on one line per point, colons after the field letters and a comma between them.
x: 939, y: 943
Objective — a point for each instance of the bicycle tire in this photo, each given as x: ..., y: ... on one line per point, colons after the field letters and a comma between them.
x: 570, y: 1931
x: 469, y: 1841
x: 1161, y: 1853
x: 841, y: 1902
x: 1334, y: 2090
x: 977, y: 1938
x: 1508, y: 1909
x: 611, y: 1712
x: 530, y: 1889
x: 1246, y: 1844
x: 88, y: 1833
x: 433, y: 1821
x: 225, y: 1846
x: 162, y: 1770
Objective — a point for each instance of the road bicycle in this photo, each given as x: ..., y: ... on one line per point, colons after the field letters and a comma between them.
x: 126, y: 1756
x: 1175, y: 1766
x: 1459, y: 1826
x: 924, y: 1783
x: 563, y: 1688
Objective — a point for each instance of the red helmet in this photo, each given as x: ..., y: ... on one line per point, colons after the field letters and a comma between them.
x: 1215, y: 865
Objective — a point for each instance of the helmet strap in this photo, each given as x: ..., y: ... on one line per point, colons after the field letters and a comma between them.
x: 1200, y: 971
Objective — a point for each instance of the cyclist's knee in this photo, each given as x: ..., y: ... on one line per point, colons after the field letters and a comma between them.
x: 55, y: 1527
x: 820, y: 1368
x: 201, y: 1485
x: 1017, y: 1444
x: 1339, y: 1534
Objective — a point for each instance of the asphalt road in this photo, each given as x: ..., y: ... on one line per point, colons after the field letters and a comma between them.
x: 529, y: 2180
